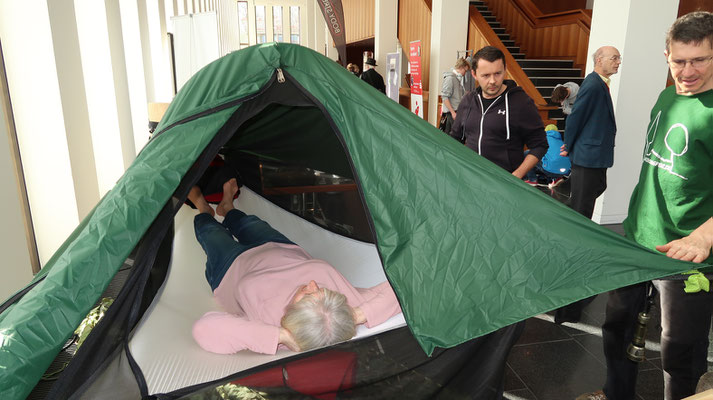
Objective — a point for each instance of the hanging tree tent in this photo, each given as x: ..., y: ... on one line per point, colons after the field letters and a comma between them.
x: 467, y: 247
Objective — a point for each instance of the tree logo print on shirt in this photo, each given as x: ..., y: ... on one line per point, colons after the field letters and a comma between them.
x: 676, y: 142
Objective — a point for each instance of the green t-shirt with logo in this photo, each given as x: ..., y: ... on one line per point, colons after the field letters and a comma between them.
x: 674, y: 195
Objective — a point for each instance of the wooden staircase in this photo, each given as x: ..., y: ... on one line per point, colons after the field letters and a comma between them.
x: 544, y: 74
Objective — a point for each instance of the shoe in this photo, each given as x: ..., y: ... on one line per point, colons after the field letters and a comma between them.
x: 555, y: 182
x: 531, y: 183
x: 598, y: 395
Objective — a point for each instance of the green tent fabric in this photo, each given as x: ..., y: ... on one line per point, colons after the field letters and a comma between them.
x: 467, y: 247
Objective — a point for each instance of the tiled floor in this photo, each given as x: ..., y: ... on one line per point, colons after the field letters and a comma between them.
x: 560, y: 362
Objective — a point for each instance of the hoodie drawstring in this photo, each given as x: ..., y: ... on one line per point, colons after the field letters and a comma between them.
x: 507, y: 116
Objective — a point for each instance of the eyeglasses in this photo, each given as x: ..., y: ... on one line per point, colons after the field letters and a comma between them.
x: 616, y: 58
x: 697, y: 63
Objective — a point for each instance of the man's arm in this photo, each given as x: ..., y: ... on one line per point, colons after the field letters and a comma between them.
x: 695, y: 247
x: 581, y: 113
x: 527, y: 164
x: 447, y: 103
x: 457, y: 129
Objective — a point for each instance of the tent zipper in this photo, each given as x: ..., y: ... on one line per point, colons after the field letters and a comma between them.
x: 280, y: 76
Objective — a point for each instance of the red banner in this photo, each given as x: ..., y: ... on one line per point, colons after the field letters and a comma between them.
x: 416, y: 88
x: 334, y: 16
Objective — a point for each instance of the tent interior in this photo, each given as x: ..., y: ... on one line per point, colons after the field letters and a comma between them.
x: 171, y: 362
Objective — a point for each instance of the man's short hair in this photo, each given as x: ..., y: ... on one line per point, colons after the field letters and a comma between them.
x: 693, y: 27
x: 487, y: 53
x: 318, y: 322
x: 559, y: 94
x: 461, y: 63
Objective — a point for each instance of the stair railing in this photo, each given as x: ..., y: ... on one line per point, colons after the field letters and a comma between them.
x: 562, y: 35
x: 480, y: 34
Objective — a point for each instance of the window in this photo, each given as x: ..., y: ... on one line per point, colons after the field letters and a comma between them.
x: 277, y: 24
x: 294, y: 24
x: 243, y: 23
x: 260, y: 29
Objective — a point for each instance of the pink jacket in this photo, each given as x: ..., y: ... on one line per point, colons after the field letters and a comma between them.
x: 260, y: 284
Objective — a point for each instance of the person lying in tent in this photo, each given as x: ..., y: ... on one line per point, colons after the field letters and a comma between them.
x: 274, y: 293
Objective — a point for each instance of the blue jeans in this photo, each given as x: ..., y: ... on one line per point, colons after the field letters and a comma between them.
x: 220, y: 247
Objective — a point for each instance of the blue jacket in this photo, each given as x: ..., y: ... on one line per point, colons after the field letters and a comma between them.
x: 590, y: 130
x: 553, y: 162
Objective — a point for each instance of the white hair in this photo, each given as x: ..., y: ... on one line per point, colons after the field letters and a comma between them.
x: 318, y: 322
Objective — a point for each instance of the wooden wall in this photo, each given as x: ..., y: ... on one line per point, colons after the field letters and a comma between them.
x: 358, y: 19
x: 415, y: 24
x: 555, y: 6
x: 686, y: 6
x: 562, y: 35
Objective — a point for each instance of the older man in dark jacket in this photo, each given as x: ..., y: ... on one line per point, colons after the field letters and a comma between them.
x: 589, y: 142
x: 589, y: 134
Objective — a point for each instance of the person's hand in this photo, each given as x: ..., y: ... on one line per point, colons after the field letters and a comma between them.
x: 288, y: 340
x: 563, y: 150
x: 689, y: 248
x: 454, y: 115
x: 359, y: 317
x: 695, y: 247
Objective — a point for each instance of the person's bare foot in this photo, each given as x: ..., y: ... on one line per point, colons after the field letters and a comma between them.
x: 230, y: 188
x: 196, y: 197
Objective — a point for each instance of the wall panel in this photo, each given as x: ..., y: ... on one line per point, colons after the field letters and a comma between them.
x: 358, y: 19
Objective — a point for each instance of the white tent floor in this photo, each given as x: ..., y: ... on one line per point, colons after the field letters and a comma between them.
x: 162, y: 343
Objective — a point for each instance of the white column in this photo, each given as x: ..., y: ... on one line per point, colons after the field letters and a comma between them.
x: 135, y: 73
x: 449, y: 34
x: 157, y: 42
x: 321, y: 36
x: 146, y: 56
x: 101, y: 96
x: 385, y: 31
x: 16, y: 268
x: 37, y: 102
x: 638, y: 31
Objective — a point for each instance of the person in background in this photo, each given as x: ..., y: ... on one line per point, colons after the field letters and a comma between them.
x: 372, y: 77
x: 353, y: 68
x: 590, y: 131
x: 565, y: 95
x: 498, y: 118
x: 671, y: 211
x: 553, y: 169
x: 452, y: 92
x: 272, y: 291
x: 468, y: 78
x: 589, y: 143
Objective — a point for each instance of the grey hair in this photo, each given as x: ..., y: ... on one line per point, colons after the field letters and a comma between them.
x: 318, y: 322
x: 694, y: 27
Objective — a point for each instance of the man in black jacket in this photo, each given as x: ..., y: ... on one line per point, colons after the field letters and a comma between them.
x: 372, y: 77
x: 498, y: 118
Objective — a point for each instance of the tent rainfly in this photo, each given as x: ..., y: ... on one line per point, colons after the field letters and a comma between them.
x: 467, y: 247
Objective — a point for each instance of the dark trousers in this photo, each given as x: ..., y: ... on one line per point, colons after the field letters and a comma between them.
x: 218, y: 240
x: 446, y: 122
x: 685, y: 323
x: 587, y: 184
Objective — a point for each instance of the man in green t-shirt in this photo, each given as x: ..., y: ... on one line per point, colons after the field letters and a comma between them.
x: 670, y: 211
